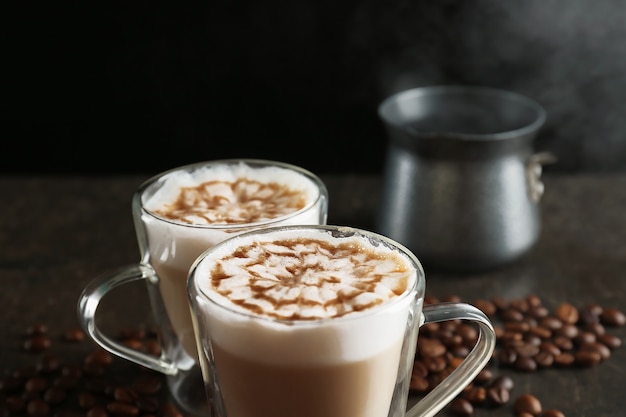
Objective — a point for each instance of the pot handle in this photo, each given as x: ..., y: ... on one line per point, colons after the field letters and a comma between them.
x: 534, y: 168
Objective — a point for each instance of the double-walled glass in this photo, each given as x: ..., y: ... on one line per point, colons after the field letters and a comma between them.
x: 169, y: 247
x: 256, y: 363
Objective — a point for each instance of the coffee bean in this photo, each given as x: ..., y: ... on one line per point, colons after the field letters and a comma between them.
x: 500, y: 302
x: 567, y: 313
x: 484, y: 376
x: 563, y: 343
x: 122, y: 409
x: 54, y: 395
x: 507, y: 357
x: 37, y: 408
x: 430, y: 348
x: 517, y: 326
x: 564, y: 359
x: 568, y: 330
x: 525, y: 364
x: 603, y: 350
x: 418, y: 383
x: 612, y: 317
x: 419, y: 368
x: 36, y: 329
x: 74, y: 335
x: 72, y: 371
x: 475, y: 395
x: 503, y: 381
x: 125, y: 395
x: 436, y: 364
x: 99, y: 357
x: 550, y: 348
x: 595, y: 328
x: 36, y: 384
x: 37, y: 343
x: 527, y: 350
x: 533, y: 339
x: 586, y: 359
x: 97, y: 412
x: 461, y: 407
x: 551, y: 323
x: 454, y: 361
x: 498, y: 396
x: 538, y: 312
x: 135, y: 344
x: 511, y: 314
x: 585, y: 337
x: 129, y: 333
x: 533, y: 300
x: 611, y: 341
x: 527, y: 403
x: 49, y: 364
x: 543, y: 359
x: 486, y: 306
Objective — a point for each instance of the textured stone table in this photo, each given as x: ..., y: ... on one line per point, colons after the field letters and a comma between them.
x: 58, y: 233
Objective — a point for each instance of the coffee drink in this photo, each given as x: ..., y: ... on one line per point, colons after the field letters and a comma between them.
x: 306, y: 322
x: 187, y: 211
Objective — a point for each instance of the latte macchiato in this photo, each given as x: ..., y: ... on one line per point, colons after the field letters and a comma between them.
x: 303, y: 322
x: 193, y: 210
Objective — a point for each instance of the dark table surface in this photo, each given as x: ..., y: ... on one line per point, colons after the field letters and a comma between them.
x: 57, y: 233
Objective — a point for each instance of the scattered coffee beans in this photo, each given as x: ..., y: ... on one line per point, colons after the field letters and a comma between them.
x: 91, y: 386
x: 530, y: 337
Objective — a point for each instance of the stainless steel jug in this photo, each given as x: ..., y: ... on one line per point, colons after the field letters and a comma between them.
x: 462, y: 183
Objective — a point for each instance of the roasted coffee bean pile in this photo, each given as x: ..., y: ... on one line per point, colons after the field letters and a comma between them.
x: 92, y: 386
x: 530, y: 337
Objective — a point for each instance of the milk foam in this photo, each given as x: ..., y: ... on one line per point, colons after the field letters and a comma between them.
x: 180, y: 239
x: 231, y: 194
x: 334, y: 292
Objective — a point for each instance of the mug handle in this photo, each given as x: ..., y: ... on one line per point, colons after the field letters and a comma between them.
x: 473, y: 363
x: 89, y: 301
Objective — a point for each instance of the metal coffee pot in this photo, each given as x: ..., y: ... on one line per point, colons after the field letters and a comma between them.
x: 462, y: 184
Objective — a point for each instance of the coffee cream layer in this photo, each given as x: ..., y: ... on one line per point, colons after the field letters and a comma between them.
x: 310, y: 321
x: 193, y: 210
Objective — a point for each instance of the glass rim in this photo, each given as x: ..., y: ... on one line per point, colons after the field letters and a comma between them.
x: 418, y: 286
x: 322, y: 192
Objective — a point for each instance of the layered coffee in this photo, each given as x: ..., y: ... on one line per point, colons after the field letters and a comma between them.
x: 187, y: 211
x: 306, y: 322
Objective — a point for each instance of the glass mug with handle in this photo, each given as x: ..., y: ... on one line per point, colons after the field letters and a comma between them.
x: 319, y: 321
x: 179, y: 214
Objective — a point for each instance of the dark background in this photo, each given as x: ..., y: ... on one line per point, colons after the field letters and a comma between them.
x: 137, y: 87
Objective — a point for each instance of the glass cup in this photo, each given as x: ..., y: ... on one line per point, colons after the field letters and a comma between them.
x: 170, y: 242
x: 319, y: 321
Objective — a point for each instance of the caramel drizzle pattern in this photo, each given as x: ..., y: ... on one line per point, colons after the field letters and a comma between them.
x: 365, y: 279
x: 254, y: 201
